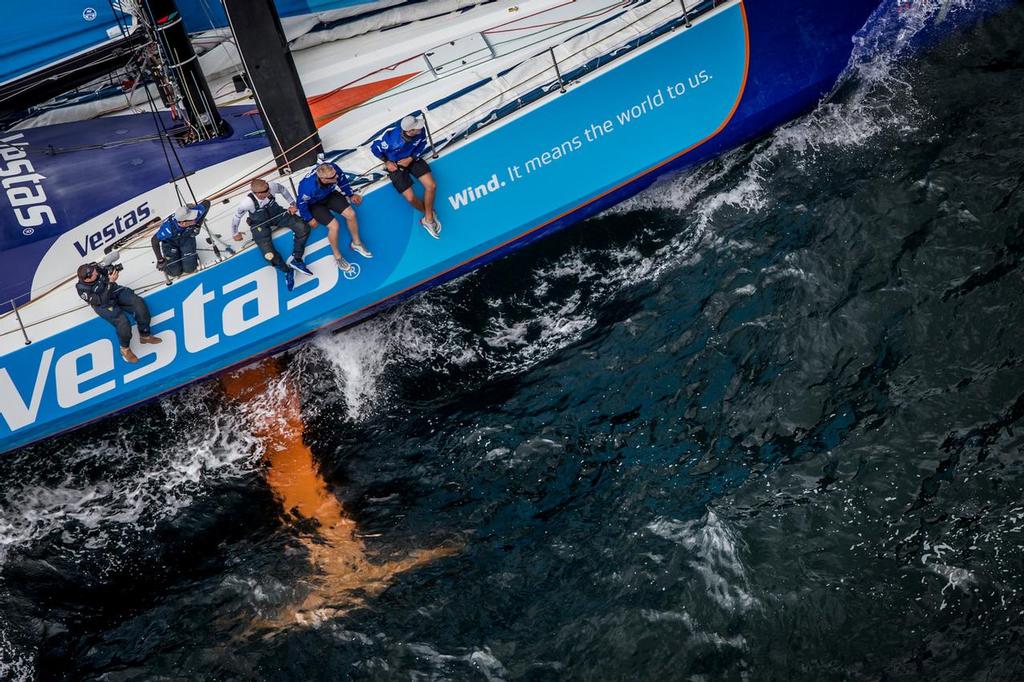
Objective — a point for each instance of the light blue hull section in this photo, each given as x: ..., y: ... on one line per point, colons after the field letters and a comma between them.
x: 550, y: 165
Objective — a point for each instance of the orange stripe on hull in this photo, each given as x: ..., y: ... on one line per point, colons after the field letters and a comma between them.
x: 331, y: 105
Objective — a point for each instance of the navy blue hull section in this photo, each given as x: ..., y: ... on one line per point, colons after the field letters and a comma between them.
x: 792, y: 56
x: 62, y: 176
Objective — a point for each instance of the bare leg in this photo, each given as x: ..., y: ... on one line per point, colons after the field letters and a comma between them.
x: 332, y: 237
x: 353, y: 225
x: 429, y: 190
x: 410, y: 196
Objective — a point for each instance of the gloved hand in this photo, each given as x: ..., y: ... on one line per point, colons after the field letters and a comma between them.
x: 161, y: 263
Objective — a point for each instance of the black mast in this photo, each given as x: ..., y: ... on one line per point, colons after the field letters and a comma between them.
x: 274, y: 81
x: 183, y: 65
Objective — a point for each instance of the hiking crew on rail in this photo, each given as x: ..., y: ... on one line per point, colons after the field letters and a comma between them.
x: 401, y: 148
x: 175, y: 241
x: 323, y: 190
x: 263, y: 214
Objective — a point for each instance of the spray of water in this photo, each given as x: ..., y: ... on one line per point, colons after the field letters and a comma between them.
x: 140, y: 486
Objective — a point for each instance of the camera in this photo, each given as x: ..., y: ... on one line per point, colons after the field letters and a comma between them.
x: 109, y: 263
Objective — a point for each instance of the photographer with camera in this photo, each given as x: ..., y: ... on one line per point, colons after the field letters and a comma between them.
x: 97, y: 285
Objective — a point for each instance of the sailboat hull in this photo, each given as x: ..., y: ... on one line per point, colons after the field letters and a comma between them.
x: 740, y: 71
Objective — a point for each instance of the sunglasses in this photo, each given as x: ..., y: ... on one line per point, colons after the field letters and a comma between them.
x: 329, y: 180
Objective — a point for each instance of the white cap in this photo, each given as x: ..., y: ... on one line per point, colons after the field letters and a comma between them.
x: 412, y: 123
x: 184, y: 213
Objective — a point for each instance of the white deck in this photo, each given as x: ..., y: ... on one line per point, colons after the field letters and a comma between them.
x: 515, y: 31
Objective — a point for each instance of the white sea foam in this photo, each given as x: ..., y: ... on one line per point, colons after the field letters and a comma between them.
x: 715, y: 557
x: 480, y: 660
x: 872, y: 97
x: 359, y: 358
x: 138, y: 487
x: 15, y: 665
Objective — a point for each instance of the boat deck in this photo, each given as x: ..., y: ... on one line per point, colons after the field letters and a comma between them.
x: 501, y: 45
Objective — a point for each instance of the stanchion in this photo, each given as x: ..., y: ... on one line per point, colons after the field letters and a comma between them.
x: 14, y: 307
x: 561, y: 85
x: 430, y: 138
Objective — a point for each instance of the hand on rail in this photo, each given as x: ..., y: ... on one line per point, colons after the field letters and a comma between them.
x: 237, y: 237
x: 356, y: 199
x: 293, y: 209
x: 391, y: 166
x: 160, y: 263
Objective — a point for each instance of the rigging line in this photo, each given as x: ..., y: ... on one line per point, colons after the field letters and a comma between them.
x: 446, y: 143
x: 228, y: 190
x: 403, y: 90
x: 560, y: 22
x: 167, y: 142
x: 632, y: 25
x: 159, y: 130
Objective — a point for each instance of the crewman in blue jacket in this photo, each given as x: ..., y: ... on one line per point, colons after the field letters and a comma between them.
x: 323, y: 190
x: 175, y: 241
x: 401, y: 149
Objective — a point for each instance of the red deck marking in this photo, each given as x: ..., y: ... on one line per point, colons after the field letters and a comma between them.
x: 330, y: 105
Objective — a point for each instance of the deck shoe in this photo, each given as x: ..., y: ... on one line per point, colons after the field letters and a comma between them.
x: 343, y: 264
x: 300, y: 265
x: 433, y: 228
x: 289, y: 279
x: 149, y: 338
x: 361, y: 250
x: 129, y: 355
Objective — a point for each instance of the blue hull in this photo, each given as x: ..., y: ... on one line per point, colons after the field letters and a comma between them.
x: 678, y: 102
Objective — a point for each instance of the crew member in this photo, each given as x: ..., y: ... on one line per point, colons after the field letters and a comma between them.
x: 263, y: 214
x: 175, y: 241
x: 323, y: 190
x: 401, y: 149
x: 97, y: 285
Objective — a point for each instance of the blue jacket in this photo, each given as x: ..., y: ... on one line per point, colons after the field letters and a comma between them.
x: 392, y: 145
x: 170, y: 229
x: 312, y: 192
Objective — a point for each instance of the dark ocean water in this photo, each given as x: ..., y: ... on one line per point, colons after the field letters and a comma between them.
x: 763, y: 422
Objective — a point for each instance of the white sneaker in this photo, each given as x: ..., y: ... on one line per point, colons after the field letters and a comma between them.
x: 432, y: 228
x: 343, y: 264
x: 361, y: 250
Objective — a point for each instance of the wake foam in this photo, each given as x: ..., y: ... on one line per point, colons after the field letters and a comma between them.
x: 139, y: 484
x: 871, y: 98
x: 714, y: 556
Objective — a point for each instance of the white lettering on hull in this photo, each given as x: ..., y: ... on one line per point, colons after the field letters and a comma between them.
x: 69, y: 379
x: 12, y: 406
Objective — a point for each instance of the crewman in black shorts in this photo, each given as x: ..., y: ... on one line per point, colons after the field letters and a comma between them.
x: 323, y: 190
x: 401, y: 149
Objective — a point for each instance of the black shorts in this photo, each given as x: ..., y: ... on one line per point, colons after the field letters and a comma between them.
x: 321, y: 211
x: 402, y: 178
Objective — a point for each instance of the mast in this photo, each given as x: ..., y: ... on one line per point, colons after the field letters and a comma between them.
x: 183, y: 65
x: 274, y: 81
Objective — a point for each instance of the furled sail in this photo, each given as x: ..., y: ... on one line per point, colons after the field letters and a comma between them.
x: 55, y: 30
x: 202, y: 15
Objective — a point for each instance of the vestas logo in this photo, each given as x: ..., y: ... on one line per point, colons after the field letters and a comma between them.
x: 113, y: 230
x: 213, y: 322
x: 23, y: 185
